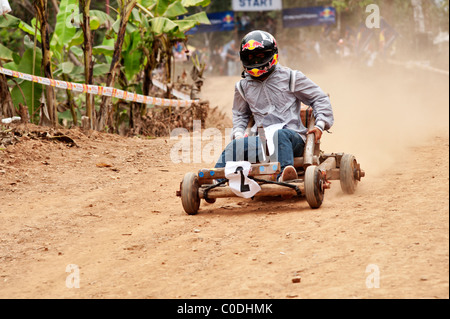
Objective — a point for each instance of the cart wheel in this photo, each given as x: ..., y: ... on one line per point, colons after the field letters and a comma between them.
x: 189, y: 194
x: 347, y: 175
x: 314, y: 190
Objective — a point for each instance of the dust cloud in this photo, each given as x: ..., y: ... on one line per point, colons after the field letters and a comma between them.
x: 379, y: 112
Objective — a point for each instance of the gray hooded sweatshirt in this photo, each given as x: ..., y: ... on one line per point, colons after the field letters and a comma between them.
x: 278, y: 100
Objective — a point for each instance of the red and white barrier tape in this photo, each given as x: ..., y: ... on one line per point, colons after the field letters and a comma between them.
x: 99, y: 90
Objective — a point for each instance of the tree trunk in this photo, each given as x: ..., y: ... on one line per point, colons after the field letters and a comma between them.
x: 71, y: 102
x: 42, y: 16
x: 88, y: 65
x: 105, y: 116
x: 6, y: 103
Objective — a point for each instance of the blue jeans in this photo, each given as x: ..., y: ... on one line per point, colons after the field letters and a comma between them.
x: 288, y: 144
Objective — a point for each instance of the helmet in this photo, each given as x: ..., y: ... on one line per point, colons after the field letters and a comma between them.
x: 258, y: 53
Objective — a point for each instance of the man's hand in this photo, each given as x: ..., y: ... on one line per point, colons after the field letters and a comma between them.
x: 317, y: 133
x: 238, y: 135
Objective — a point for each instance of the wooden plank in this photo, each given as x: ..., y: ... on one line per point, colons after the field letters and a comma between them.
x: 299, y: 161
x: 266, y: 190
x: 257, y: 169
x: 328, y: 164
x: 333, y: 174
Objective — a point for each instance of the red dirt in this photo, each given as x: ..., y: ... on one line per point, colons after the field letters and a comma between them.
x: 108, y: 205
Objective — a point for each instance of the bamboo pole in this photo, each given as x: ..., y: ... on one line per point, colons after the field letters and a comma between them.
x: 85, y: 4
x: 105, y: 117
x: 42, y: 16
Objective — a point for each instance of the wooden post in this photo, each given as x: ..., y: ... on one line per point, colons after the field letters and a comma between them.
x: 310, y: 145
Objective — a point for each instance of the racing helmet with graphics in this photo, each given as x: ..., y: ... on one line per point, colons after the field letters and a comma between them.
x: 259, y: 53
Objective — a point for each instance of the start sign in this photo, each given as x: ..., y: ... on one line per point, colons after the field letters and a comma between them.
x: 256, y: 5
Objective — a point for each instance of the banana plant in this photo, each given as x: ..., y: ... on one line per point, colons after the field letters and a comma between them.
x: 64, y: 51
x: 24, y: 92
x: 152, y: 27
x: 140, y: 37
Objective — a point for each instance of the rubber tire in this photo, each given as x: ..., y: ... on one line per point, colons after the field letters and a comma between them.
x: 189, y: 194
x: 313, y: 189
x: 347, y: 174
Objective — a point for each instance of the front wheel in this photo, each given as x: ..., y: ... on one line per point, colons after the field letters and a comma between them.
x: 314, y: 186
x: 189, y: 194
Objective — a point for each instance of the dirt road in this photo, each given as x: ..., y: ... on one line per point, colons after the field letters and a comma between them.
x: 107, y: 208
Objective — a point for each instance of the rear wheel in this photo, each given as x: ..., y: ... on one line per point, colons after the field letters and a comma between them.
x: 189, y: 194
x: 348, y: 171
x: 314, y: 186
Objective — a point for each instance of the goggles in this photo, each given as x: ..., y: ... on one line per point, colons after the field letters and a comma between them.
x: 256, y: 59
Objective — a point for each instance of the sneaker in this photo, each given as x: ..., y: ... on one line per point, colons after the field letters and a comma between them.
x: 289, y: 173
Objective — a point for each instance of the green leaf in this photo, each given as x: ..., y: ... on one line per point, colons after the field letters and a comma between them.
x: 67, y: 67
x: 191, y: 21
x: 9, y: 21
x: 160, y: 25
x: 147, y: 3
x: 116, y: 26
x: 200, y: 17
x: 30, y: 29
x: 5, y: 53
x: 194, y: 3
x: 161, y: 6
x: 77, y: 74
x: 186, y: 25
x: 26, y: 63
x: 65, y: 30
x: 94, y: 23
x: 132, y: 55
x: 78, y: 39
x: 64, y: 68
x: 136, y: 15
x: 77, y: 51
x: 26, y: 66
x: 174, y: 10
x: 101, y: 69
x: 130, y: 27
x: 28, y: 42
x: 102, y: 16
x: 103, y: 49
x: 16, y: 58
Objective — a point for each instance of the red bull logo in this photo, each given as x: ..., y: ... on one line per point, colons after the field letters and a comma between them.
x: 327, y: 13
x: 274, y: 61
x: 252, y: 45
x: 228, y: 19
x: 256, y: 72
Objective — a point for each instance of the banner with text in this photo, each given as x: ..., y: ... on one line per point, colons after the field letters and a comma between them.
x: 256, y: 5
x: 220, y: 21
x: 304, y: 17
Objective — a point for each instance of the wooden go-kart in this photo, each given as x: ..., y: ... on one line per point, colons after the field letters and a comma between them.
x: 315, y: 171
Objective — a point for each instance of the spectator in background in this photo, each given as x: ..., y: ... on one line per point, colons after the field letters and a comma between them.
x: 179, y: 52
x: 244, y: 25
x: 217, y: 65
x: 232, y: 59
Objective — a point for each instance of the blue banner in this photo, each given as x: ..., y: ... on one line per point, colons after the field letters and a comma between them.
x: 220, y: 21
x: 303, y: 17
